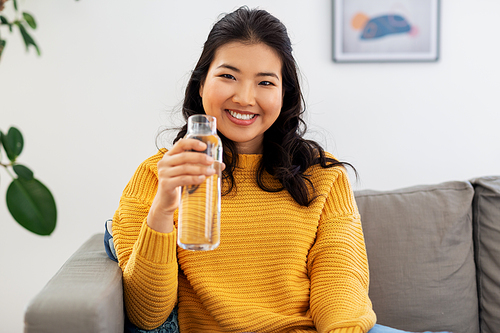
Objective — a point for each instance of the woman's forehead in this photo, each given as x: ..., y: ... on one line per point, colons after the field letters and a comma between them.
x: 241, y: 56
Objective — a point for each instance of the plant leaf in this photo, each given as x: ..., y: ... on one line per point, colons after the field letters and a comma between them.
x: 13, y: 143
x: 32, y: 205
x: 4, y: 21
x: 28, y: 40
x: 24, y: 34
x: 2, y: 46
x: 1, y: 133
x: 30, y: 20
x: 15, y: 4
x: 23, y: 171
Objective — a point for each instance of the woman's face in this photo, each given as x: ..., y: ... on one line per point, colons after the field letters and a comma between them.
x: 243, y: 90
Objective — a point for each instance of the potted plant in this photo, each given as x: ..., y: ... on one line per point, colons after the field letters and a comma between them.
x: 23, y: 21
x: 29, y: 201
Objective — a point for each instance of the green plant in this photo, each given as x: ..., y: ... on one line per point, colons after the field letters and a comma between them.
x: 23, y: 21
x: 29, y: 201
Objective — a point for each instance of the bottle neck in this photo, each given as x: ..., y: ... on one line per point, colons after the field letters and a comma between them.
x: 202, y: 124
x: 205, y: 128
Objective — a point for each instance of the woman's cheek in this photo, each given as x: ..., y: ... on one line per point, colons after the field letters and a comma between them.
x: 275, y: 101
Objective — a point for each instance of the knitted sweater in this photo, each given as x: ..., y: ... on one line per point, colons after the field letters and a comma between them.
x: 280, y: 267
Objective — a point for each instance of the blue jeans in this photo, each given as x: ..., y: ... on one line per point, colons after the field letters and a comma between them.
x: 384, y: 329
x: 168, y: 327
x: 171, y: 324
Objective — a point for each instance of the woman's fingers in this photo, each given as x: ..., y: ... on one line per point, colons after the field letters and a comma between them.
x: 189, y: 169
x: 184, y: 164
x: 184, y: 175
x: 184, y: 151
x: 187, y: 145
x: 187, y: 157
x: 175, y: 182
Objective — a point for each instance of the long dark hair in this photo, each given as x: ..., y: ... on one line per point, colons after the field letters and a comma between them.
x: 286, y: 154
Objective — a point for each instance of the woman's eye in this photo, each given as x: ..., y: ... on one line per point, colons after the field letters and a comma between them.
x: 266, y: 83
x: 228, y: 76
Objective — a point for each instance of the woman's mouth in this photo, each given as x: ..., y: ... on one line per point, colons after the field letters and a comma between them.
x: 241, y: 116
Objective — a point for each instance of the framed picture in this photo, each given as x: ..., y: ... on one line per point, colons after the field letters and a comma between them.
x: 385, y: 30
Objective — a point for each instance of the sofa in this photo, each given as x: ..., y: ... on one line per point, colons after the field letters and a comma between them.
x: 433, y: 252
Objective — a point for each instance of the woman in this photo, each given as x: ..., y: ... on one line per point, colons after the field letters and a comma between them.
x: 292, y: 256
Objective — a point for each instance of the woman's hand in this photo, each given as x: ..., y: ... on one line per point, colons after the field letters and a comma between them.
x: 180, y: 166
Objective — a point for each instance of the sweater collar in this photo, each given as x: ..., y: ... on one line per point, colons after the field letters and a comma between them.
x: 248, y: 161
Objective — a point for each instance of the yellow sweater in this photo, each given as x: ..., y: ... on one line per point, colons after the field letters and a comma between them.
x: 280, y: 267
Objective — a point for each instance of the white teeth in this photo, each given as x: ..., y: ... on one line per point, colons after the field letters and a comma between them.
x: 241, y: 116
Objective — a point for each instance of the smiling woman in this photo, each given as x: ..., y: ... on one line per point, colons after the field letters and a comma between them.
x: 291, y: 256
x: 243, y: 91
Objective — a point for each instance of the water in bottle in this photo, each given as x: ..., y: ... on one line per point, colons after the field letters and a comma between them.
x: 199, y: 208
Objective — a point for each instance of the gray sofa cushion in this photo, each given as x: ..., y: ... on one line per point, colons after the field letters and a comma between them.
x: 84, y: 296
x: 487, y: 242
x: 420, y: 252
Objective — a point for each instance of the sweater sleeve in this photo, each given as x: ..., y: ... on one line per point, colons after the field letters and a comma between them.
x: 338, y: 265
x: 147, y: 258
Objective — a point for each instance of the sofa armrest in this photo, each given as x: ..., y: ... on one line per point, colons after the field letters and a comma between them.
x: 85, y: 295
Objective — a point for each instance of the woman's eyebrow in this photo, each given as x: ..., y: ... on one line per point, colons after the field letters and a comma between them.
x: 269, y: 74
x: 229, y: 67
x: 239, y: 71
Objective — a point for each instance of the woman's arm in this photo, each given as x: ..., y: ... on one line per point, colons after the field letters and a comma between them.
x: 338, y: 265
x: 144, y: 232
x: 147, y: 258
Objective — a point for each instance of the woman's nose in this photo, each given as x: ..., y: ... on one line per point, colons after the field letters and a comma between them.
x: 244, y: 95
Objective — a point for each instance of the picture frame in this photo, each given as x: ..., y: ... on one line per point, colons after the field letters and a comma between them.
x: 385, y: 30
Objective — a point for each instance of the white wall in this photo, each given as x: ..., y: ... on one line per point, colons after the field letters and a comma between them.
x: 111, y: 71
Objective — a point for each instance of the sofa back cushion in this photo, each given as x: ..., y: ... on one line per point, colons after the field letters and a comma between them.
x: 487, y: 242
x: 420, y: 253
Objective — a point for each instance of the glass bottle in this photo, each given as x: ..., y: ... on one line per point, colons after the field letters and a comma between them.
x: 200, y: 205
